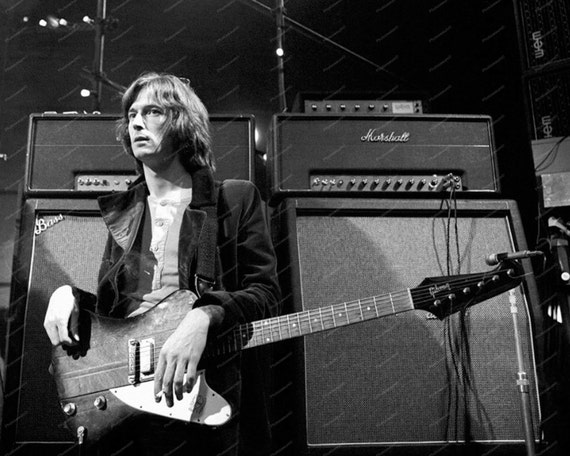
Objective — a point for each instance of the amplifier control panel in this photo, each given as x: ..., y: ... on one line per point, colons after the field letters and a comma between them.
x: 385, y: 183
x: 103, y: 182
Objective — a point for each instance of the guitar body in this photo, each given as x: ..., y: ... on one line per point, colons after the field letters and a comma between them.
x: 108, y: 377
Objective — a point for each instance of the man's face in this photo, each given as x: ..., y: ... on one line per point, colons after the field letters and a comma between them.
x: 146, y: 131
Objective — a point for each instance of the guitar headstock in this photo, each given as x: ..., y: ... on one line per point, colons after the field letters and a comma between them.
x: 443, y: 296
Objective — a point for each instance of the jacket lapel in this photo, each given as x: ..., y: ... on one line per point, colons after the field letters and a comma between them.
x: 122, y: 213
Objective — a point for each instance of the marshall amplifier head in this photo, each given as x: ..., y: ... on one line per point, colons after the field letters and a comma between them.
x: 355, y: 155
x: 76, y: 154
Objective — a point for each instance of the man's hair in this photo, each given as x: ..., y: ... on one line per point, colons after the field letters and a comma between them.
x: 187, y: 118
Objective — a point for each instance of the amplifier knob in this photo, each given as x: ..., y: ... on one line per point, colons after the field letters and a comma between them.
x: 434, y: 182
x: 386, y: 184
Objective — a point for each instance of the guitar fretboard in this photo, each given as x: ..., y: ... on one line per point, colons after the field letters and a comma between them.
x: 298, y: 324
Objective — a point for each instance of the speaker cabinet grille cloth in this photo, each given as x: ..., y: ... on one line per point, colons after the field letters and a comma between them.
x: 62, y: 243
x: 410, y: 378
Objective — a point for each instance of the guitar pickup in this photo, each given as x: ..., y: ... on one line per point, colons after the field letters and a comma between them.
x: 141, y: 360
x: 147, y: 357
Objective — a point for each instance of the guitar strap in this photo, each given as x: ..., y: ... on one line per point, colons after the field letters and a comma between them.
x: 205, y: 278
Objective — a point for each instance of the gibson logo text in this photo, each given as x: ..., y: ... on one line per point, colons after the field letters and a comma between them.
x: 391, y: 137
x: 437, y: 288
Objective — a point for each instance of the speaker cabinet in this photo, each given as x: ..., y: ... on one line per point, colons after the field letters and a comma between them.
x: 411, y: 383
x: 61, y: 242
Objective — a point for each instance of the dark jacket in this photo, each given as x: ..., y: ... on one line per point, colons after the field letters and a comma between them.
x: 246, y: 287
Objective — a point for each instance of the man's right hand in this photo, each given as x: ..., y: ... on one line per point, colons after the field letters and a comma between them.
x: 62, y: 317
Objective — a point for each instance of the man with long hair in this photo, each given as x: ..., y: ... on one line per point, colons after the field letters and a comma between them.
x: 156, y: 229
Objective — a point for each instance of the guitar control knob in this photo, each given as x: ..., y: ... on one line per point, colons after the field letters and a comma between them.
x: 100, y: 403
x: 70, y: 409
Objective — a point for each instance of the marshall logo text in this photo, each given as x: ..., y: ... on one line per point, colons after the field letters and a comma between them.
x: 373, y: 136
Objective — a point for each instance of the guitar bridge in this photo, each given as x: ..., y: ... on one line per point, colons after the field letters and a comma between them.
x: 141, y: 360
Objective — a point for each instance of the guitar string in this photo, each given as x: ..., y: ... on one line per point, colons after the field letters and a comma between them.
x: 381, y: 305
x: 268, y: 331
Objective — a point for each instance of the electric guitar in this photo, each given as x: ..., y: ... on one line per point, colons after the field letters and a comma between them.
x: 108, y: 377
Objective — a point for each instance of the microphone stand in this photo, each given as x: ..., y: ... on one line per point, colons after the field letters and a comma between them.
x: 99, y: 78
x: 282, y: 18
x: 522, y: 381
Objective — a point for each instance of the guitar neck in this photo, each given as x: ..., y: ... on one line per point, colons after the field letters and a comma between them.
x: 299, y: 324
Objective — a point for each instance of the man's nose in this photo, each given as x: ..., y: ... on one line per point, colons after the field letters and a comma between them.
x: 137, y: 121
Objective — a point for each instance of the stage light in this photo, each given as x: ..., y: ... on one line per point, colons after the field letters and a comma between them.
x: 52, y: 21
x: 25, y: 19
x: 279, y: 52
x: 85, y: 93
x: 62, y: 22
x: 88, y: 20
x: 42, y: 23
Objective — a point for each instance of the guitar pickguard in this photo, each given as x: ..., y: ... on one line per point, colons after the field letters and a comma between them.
x: 202, y: 405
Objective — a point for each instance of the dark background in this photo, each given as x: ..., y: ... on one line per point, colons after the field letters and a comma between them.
x: 458, y: 56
